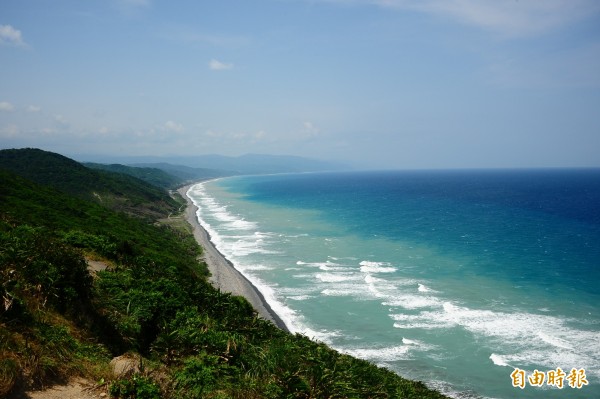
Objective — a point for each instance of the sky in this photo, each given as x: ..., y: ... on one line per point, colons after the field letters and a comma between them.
x: 376, y: 83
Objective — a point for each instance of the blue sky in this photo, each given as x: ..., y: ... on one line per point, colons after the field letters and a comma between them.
x: 380, y: 83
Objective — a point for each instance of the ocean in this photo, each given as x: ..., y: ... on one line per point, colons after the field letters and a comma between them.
x: 476, y: 282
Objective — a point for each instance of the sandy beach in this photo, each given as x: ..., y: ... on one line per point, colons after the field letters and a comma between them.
x: 224, y: 276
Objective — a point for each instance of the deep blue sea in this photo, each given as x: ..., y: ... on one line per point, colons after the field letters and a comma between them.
x: 455, y: 278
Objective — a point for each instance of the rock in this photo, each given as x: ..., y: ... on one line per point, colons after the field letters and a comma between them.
x: 125, y: 365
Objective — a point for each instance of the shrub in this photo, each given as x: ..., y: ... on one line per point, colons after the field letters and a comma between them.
x: 200, y: 375
x: 9, y: 372
x: 136, y: 387
x: 99, y: 243
x: 43, y: 268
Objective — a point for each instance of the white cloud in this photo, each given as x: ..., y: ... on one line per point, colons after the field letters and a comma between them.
x: 219, y: 66
x: 9, y: 131
x: 260, y: 135
x: 212, y: 133
x: 11, y: 36
x: 61, y: 122
x: 309, y: 131
x: 171, y: 126
x: 33, y: 108
x: 6, y: 106
x: 508, y: 18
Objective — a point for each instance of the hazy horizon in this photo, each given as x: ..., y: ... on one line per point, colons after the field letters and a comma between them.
x: 394, y: 84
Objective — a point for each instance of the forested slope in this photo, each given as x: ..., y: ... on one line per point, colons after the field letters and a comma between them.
x: 116, y: 191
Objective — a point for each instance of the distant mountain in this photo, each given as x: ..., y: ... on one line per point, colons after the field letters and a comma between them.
x: 186, y: 174
x: 113, y: 190
x: 224, y: 165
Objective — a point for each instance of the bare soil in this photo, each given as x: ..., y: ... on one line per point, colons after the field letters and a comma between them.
x: 77, y: 388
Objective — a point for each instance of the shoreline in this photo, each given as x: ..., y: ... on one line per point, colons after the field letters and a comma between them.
x: 224, y: 276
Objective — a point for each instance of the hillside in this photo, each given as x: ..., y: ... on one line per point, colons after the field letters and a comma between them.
x: 60, y: 319
x: 116, y: 191
x: 187, y: 174
x: 163, y: 175
x: 155, y: 176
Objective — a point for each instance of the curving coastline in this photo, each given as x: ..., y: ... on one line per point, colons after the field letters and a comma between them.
x: 224, y: 275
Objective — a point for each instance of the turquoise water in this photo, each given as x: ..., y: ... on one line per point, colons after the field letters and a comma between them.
x: 452, y: 278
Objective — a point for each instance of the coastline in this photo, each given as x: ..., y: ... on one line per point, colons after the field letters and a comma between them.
x: 224, y: 276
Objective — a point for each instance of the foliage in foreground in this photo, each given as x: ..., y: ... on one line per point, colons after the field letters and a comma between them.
x: 57, y: 320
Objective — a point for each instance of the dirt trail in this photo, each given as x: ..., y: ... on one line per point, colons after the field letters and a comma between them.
x: 76, y: 389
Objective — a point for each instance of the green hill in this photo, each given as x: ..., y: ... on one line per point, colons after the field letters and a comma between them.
x: 187, y: 173
x: 114, y: 190
x: 162, y: 175
x: 154, y: 176
x: 59, y: 319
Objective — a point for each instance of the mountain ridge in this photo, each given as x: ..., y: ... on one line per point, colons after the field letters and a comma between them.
x: 243, y: 164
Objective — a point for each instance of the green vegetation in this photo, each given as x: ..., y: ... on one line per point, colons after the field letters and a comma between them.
x: 186, y: 173
x: 154, y: 176
x: 162, y: 174
x: 59, y: 320
x: 113, y: 190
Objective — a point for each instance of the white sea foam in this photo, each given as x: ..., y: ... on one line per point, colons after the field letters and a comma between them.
x: 528, y: 339
x: 346, y: 286
x: 326, y: 266
x: 338, y: 292
x: 336, y: 277
x: 300, y: 297
x: 376, y: 267
x: 239, y: 224
x: 373, y: 285
x: 240, y: 246
x: 258, y: 267
x: 385, y: 354
x: 558, y: 342
x: 407, y: 341
x: 329, y: 268
x: 498, y: 360
x: 325, y: 336
x: 365, y: 285
x: 424, y: 288
x: 288, y: 315
x: 408, y: 301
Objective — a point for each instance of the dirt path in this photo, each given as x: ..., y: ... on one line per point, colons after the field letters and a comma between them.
x: 76, y: 389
